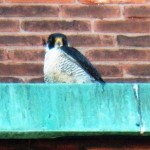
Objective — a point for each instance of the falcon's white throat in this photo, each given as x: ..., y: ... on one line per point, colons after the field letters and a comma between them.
x: 46, y: 47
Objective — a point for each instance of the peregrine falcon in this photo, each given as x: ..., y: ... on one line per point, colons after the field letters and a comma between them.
x: 65, y: 64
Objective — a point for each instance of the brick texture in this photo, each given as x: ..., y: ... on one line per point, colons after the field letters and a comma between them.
x: 111, y: 1
x: 3, y: 55
x: 129, y: 26
x: 91, y: 40
x: 110, y: 70
x: 118, y: 55
x: 4, y: 79
x: 141, y: 12
x: 56, y: 26
x: 40, y: 1
x: 39, y: 79
x: 21, y: 69
x: 84, y: 143
x: 134, y: 41
x: 28, y: 11
x: 128, y: 80
x: 10, y: 40
x: 9, y: 26
x: 113, y: 36
x: 139, y: 70
x: 26, y: 55
x: 91, y: 11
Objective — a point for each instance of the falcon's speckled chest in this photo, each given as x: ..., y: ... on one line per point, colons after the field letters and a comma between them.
x: 59, y: 67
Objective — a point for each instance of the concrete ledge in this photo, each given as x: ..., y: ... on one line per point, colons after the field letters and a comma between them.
x: 54, y: 110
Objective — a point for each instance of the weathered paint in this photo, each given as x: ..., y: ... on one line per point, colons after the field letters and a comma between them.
x: 144, y: 94
x: 53, y: 110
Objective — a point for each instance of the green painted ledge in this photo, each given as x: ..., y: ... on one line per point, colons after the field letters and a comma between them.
x: 55, y: 110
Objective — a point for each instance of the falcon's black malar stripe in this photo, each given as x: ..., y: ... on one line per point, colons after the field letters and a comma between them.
x: 83, y: 62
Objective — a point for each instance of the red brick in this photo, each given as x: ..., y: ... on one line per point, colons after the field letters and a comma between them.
x: 3, y: 55
x: 137, y: 11
x: 36, y: 79
x: 21, y: 69
x: 26, y: 55
x: 118, y: 55
x: 9, y: 40
x: 119, y: 147
x: 29, y: 11
x: 136, y: 41
x: 55, y: 145
x: 9, y: 25
x: 128, y: 26
x: 67, y: 147
x: 110, y: 70
x: 44, y: 145
x: 14, y: 144
x: 83, y: 143
x: 131, y: 80
x: 58, y: 26
x: 138, y: 70
x: 91, y: 40
x: 11, y: 79
x: 110, y: 1
x: 100, y: 11
x: 40, y: 1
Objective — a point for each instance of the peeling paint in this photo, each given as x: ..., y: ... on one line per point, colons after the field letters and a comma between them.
x: 140, y: 118
x: 54, y: 110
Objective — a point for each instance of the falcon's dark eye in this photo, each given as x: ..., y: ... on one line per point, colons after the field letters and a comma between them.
x: 65, y: 42
x: 50, y: 39
x: 51, y: 42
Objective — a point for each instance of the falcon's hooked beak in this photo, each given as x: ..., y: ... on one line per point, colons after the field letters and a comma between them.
x: 58, y: 42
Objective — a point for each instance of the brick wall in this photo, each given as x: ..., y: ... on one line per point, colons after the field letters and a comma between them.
x: 113, y: 35
x: 78, y: 143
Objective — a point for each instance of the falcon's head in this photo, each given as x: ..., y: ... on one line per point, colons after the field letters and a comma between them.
x: 56, y: 40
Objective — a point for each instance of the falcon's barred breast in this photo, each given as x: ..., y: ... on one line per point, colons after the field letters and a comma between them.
x: 64, y: 64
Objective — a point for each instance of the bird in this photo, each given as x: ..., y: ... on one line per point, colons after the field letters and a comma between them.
x: 65, y: 64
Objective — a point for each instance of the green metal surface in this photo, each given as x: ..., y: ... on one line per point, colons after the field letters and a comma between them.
x: 55, y: 110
